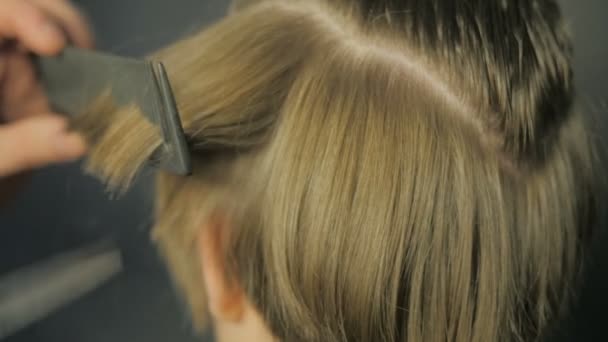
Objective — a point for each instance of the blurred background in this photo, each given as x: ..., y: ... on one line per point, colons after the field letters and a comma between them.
x: 62, y: 208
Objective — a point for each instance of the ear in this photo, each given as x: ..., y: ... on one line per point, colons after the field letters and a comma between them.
x: 226, y: 297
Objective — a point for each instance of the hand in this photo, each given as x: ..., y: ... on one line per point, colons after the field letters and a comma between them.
x: 31, y: 136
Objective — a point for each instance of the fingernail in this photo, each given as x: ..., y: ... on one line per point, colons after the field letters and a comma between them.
x: 71, y: 146
x: 49, y: 30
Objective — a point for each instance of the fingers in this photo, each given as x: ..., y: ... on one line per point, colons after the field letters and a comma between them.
x: 41, y: 25
x: 27, y: 23
x: 70, y: 19
x: 22, y: 95
x: 35, y: 142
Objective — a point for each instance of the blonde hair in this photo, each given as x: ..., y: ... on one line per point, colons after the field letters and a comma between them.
x: 393, y: 171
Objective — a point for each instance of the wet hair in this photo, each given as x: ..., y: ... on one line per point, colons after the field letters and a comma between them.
x: 393, y: 170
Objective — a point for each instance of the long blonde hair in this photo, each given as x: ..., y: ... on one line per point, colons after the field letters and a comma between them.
x: 393, y: 170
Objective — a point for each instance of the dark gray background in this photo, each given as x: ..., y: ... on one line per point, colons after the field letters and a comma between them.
x: 61, y: 208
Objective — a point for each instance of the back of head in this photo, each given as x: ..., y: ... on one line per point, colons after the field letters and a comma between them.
x: 394, y: 170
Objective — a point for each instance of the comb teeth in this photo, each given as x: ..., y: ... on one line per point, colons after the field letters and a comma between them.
x: 76, y: 77
x: 174, y: 155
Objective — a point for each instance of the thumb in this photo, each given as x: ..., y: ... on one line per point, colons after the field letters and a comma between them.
x: 35, y: 142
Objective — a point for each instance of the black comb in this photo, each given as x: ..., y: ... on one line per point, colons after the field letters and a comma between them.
x: 76, y: 77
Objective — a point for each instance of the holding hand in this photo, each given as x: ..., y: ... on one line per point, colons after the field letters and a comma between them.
x: 31, y: 135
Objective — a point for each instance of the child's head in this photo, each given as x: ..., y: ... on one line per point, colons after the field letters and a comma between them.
x: 385, y: 170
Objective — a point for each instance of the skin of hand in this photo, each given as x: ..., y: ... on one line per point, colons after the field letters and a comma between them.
x: 31, y: 135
